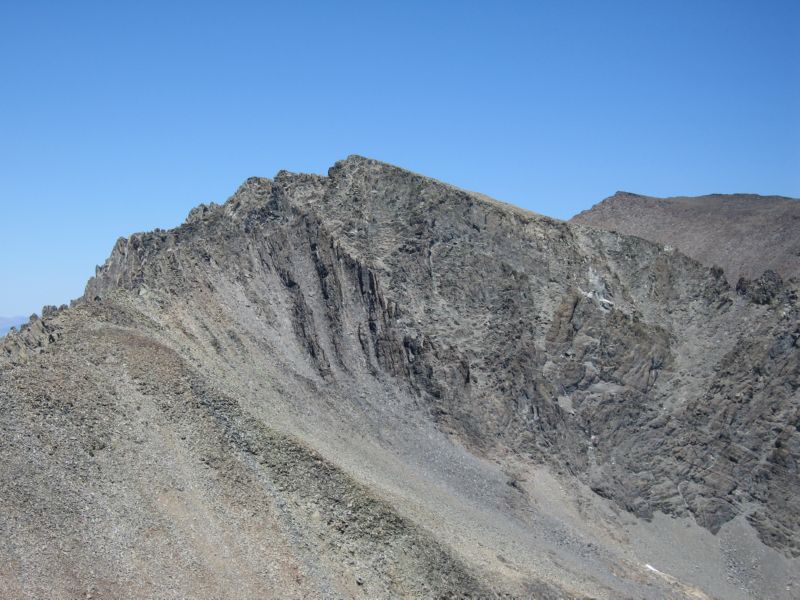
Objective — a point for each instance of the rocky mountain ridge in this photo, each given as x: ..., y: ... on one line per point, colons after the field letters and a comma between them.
x: 6, y: 323
x: 386, y: 384
x: 745, y: 234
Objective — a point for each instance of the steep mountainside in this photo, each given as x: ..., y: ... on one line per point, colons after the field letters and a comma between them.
x: 745, y: 234
x: 372, y: 384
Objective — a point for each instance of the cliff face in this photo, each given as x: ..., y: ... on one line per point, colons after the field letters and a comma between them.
x: 745, y: 234
x: 374, y: 383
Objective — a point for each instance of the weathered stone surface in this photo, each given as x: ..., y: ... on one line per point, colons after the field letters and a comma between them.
x: 358, y: 383
x: 764, y: 290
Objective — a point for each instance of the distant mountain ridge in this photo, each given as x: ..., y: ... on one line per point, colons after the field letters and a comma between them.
x: 745, y: 234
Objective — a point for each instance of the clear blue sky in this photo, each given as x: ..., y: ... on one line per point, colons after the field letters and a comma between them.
x: 117, y: 117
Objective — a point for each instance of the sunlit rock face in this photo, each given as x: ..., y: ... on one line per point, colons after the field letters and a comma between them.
x: 373, y: 384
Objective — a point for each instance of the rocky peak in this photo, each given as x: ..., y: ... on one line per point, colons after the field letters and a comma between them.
x: 397, y: 365
x: 745, y: 234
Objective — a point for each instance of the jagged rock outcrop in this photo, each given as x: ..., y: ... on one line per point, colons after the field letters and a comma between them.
x: 366, y: 383
x: 745, y: 234
x: 6, y: 323
x: 764, y: 290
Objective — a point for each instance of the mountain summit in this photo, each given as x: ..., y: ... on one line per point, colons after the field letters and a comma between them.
x: 373, y: 384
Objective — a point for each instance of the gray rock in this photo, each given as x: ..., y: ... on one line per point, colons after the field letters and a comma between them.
x: 745, y: 234
x: 350, y: 369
